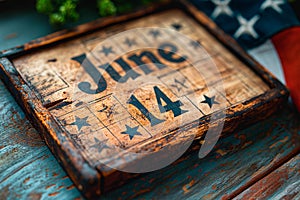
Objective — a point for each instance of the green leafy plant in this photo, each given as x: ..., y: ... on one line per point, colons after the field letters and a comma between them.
x: 63, y: 11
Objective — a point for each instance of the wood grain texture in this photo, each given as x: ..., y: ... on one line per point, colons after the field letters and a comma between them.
x: 237, y: 161
x: 45, y: 83
x: 30, y: 171
x: 44, y: 178
x: 80, y: 29
x: 283, y: 183
x: 57, y: 82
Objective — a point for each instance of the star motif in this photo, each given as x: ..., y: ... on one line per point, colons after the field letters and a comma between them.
x: 177, y: 26
x: 195, y: 44
x: 130, y: 42
x: 131, y: 132
x: 105, y: 107
x: 76, y: 138
x: 107, y: 50
x: 246, y: 27
x: 179, y: 85
x: 210, y: 101
x: 108, y: 110
x: 221, y: 8
x: 154, y: 33
x: 100, y: 145
x: 80, y: 122
x: 272, y: 4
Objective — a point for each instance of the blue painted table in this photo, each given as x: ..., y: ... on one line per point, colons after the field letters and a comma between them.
x: 259, y: 162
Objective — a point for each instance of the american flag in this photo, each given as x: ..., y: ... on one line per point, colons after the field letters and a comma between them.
x: 268, y: 29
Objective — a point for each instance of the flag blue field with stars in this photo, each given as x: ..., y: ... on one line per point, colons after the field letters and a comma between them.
x: 250, y: 22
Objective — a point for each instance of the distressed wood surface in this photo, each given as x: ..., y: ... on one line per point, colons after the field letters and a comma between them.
x: 30, y: 171
x: 58, y: 81
x: 283, y: 183
x: 69, y: 118
x: 28, y: 39
x: 237, y: 162
x: 23, y: 154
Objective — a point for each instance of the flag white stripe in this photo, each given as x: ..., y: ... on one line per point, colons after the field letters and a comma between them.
x: 267, y: 56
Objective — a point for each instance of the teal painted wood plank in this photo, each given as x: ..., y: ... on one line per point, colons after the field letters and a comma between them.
x: 237, y: 160
x: 20, y: 23
x: 283, y: 183
x: 28, y: 169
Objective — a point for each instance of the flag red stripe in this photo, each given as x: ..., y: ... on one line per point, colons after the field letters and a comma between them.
x: 287, y: 44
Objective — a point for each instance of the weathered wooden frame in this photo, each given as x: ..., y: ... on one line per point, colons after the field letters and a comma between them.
x: 88, y: 179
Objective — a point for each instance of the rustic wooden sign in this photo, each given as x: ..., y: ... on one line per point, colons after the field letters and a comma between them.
x: 105, y: 106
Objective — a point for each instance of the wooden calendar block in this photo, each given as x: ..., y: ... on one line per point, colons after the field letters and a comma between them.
x: 104, y: 107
